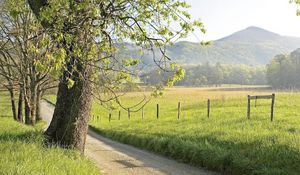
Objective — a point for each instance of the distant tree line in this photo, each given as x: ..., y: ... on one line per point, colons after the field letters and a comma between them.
x: 283, y: 71
x: 214, y: 75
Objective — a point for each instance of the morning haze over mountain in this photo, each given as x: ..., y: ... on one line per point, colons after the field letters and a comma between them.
x: 251, y: 46
x: 150, y: 87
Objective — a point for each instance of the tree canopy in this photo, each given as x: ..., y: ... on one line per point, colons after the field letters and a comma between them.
x: 283, y: 71
x: 86, y: 34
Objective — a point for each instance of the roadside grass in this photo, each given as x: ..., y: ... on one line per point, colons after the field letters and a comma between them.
x: 226, y: 142
x: 22, y: 151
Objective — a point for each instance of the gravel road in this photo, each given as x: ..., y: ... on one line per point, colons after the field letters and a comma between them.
x: 115, y: 158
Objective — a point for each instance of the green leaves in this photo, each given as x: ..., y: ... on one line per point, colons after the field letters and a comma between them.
x: 179, y: 74
x: 158, y: 91
x: 15, y: 7
x: 14, y: 13
x: 130, y: 62
x: 205, y: 43
x: 70, y: 83
x: 298, y: 3
x: 39, y: 66
x: 91, y: 31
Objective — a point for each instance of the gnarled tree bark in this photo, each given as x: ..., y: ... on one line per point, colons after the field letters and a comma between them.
x: 69, y: 124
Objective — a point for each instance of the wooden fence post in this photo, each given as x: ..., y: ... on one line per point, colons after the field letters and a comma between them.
x: 208, y: 108
x: 179, y: 110
x: 157, y: 111
x: 109, y: 116
x: 248, y: 108
x: 143, y: 113
x: 272, y: 107
x: 119, y: 115
x: 128, y: 113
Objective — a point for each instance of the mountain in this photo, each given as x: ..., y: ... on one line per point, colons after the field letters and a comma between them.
x: 251, y: 34
x: 252, y: 46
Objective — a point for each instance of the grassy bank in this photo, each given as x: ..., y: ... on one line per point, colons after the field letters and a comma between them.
x: 22, y: 151
x: 226, y: 142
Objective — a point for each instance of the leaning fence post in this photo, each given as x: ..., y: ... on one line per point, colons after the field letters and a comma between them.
x: 272, y: 107
x: 179, y: 110
x: 208, y: 108
x: 248, y: 108
x: 143, y: 113
x: 157, y: 111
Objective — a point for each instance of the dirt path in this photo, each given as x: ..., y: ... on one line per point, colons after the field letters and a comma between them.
x: 115, y: 158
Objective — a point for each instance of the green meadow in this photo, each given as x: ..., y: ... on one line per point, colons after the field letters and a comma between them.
x: 226, y: 142
x: 22, y: 151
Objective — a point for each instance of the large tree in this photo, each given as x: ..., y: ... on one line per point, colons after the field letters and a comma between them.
x: 88, y: 34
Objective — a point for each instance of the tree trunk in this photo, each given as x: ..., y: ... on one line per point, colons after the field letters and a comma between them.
x: 20, y: 106
x: 38, y: 101
x: 13, y: 105
x: 33, y: 93
x: 27, y: 111
x: 27, y: 95
x: 69, y: 125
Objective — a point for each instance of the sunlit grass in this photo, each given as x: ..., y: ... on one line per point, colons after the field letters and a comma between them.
x: 22, y: 151
x: 227, y: 141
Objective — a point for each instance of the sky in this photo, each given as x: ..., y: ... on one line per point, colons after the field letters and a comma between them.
x: 224, y: 17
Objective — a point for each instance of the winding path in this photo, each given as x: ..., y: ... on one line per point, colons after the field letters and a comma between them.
x: 115, y: 158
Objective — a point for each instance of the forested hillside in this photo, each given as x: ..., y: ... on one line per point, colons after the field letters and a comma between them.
x: 252, y: 46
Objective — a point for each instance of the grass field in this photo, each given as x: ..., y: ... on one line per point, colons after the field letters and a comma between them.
x: 225, y: 142
x: 22, y: 151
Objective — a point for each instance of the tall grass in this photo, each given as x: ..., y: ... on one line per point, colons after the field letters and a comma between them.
x: 22, y: 151
x: 226, y: 142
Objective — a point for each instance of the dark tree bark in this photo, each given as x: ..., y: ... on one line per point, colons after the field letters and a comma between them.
x: 38, y: 101
x: 69, y: 125
x: 13, y: 104
x: 33, y: 98
x: 27, y: 111
x: 20, y: 106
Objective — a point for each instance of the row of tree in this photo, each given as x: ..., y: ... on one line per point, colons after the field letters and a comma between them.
x: 284, y: 70
x: 214, y: 75
x: 21, y: 38
x: 76, y: 42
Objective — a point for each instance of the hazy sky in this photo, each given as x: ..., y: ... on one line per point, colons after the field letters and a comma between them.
x: 223, y: 17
